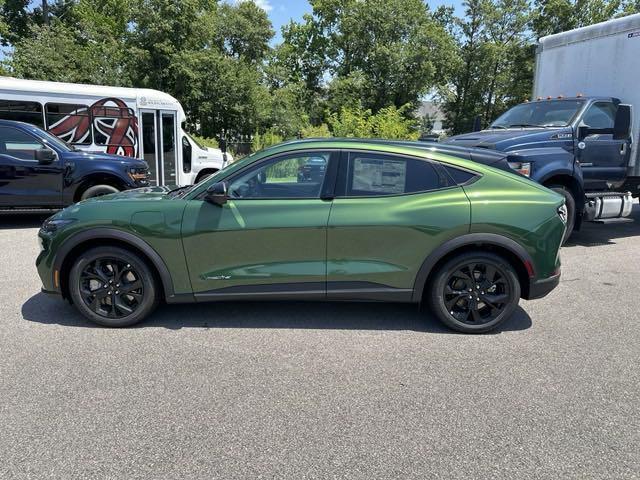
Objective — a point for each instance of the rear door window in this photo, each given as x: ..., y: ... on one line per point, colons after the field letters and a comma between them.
x: 373, y: 174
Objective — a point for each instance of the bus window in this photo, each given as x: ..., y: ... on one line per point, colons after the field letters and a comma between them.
x: 29, y: 112
x: 187, y: 150
x: 116, y: 127
x: 69, y: 122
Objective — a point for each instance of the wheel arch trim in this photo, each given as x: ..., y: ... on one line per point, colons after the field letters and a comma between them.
x: 471, y: 239
x: 102, y: 233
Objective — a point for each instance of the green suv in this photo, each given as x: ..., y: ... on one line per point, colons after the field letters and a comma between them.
x: 384, y: 221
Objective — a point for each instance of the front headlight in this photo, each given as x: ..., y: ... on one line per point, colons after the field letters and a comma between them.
x: 523, y: 168
x: 52, y: 226
x: 563, y: 213
x: 138, y: 174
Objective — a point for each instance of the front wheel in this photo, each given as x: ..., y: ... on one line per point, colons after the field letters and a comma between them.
x: 98, y: 191
x: 570, y: 203
x: 112, y: 287
x: 474, y: 292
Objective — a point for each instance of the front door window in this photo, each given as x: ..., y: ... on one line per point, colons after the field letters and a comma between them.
x: 290, y: 176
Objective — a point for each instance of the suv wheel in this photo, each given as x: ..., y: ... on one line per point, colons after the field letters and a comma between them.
x: 97, y: 191
x: 474, y: 292
x: 112, y: 287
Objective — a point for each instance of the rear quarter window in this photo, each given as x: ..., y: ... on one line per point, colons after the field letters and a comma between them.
x: 459, y: 176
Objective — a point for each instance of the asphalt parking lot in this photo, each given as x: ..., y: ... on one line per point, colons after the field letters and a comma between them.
x: 310, y: 390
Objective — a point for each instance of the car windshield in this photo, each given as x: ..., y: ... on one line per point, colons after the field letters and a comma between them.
x: 554, y: 113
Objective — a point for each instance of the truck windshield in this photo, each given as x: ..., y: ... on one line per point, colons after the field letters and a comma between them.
x: 551, y: 113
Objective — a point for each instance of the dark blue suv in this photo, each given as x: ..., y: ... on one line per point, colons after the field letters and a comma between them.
x: 38, y: 170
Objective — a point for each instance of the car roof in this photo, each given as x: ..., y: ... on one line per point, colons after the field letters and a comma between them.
x: 476, y: 154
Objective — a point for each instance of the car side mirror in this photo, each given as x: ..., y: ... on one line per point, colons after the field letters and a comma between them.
x: 622, y: 123
x: 45, y: 156
x: 217, y: 193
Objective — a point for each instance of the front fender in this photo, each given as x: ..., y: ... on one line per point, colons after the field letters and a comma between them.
x: 548, y: 162
x: 105, y: 233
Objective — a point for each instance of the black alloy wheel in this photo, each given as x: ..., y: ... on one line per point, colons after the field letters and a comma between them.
x: 112, y: 286
x: 474, y: 292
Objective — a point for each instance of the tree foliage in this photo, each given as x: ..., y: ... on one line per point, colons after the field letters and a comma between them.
x: 349, y: 68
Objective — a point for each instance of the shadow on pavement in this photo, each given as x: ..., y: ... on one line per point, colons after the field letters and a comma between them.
x: 300, y: 315
x: 22, y: 220
x: 594, y: 234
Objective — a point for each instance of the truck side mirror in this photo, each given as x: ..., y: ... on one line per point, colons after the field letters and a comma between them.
x: 583, y: 132
x: 477, y: 123
x: 622, y: 122
x: 217, y: 193
x: 45, y: 156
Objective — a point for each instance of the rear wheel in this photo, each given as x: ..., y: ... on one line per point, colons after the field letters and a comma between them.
x: 98, y: 191
x: 570, y: 202
x: 474, y: 292
x: 112, y: 287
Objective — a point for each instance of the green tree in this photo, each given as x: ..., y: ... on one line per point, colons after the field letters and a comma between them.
x: 382, y: 52
x: 555, y: 16
x: 56, y: 52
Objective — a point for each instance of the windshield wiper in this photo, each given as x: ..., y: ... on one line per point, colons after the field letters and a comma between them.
x: 525, y: 125
x: 498, y: 126
x: 178, y: 191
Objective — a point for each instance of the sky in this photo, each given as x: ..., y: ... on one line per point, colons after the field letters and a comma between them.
x: 282, y: 11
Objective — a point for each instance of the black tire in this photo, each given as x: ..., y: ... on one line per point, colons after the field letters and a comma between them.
x: 570, y: 202
x: 127, y: 295
x: 454, y: 298
x: 97, y: 191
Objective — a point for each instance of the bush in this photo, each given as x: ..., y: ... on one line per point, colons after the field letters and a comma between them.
x: 264, y: 140
x: 389, y: 122
x: 205, y: 142
x: 321, y: 131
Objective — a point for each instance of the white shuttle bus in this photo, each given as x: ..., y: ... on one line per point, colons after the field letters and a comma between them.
x: 134, y: 122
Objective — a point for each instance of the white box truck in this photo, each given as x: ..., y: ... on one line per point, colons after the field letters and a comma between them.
x: 577, y: 135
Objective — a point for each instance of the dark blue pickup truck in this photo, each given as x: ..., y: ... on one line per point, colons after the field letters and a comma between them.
x: 38, y: 170
x: 579, y: 146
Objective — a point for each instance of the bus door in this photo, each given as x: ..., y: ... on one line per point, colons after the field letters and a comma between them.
x: 159, y: 133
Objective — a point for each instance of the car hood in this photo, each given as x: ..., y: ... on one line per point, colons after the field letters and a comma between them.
x: 506, y: 139
x: 137, y: 194
x: 105, y: 157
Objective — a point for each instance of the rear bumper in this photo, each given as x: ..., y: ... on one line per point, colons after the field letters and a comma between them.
x: 541, y: 288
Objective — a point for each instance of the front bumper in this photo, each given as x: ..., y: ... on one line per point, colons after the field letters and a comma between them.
x: 541, y: 288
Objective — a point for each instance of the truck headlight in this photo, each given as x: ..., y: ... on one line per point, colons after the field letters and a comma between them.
x: 138, y: 175
x: 523, y: 168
